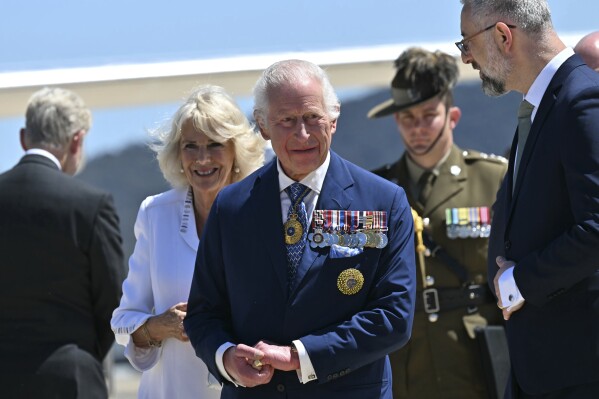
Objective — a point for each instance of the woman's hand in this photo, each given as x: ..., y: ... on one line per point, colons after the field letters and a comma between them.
x: 166, y: 325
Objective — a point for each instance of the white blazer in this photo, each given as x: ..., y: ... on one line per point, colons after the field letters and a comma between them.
x: 160, y: 274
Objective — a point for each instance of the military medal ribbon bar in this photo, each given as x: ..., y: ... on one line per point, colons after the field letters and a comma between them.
x: 468, y: 222
x: 352, y: 229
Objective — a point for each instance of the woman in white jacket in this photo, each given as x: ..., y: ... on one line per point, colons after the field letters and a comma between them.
x: 208, y: 144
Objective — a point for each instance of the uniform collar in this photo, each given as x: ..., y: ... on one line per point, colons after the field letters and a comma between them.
x: 415, y: 171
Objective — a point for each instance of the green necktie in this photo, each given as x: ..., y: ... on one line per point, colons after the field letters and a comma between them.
x: 425, y: 186
x: 524, y: 122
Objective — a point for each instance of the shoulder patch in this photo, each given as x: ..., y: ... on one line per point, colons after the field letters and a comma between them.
x: 472, y: 155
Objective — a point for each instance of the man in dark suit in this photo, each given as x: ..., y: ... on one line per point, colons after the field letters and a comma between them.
x: 60, y: 258
x: 544, y: 245
x: 305, y: 274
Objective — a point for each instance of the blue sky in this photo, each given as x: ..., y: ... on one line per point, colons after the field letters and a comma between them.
x: 41, y: 34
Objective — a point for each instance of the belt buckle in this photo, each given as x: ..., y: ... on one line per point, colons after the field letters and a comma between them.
x: 431, y: 300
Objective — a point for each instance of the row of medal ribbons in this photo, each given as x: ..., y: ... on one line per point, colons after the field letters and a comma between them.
x: 352, y: 229
x: 472, y: 222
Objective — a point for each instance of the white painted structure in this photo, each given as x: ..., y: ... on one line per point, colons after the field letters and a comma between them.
x: 154, y: 83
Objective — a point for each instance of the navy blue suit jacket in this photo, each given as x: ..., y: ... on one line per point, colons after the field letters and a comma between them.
x: 550, y: 227
x: 239, y: 290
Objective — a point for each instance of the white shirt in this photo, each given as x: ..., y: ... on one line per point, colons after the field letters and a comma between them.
x: 39, y: 151
x: 510, y: 294
x: 314, y: 180
x: 160, y: 274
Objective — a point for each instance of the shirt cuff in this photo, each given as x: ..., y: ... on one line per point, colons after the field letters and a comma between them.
x: 510, y: 294
x: 306, y: 372
x: 220, y: 353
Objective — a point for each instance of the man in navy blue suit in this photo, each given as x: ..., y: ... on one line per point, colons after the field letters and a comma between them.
x: 544, y: 245
x: 305, y: 275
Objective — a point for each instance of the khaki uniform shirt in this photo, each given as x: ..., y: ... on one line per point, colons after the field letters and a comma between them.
x: 441, y: 360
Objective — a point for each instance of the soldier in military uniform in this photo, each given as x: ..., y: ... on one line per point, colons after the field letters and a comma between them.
x: 452, y: 190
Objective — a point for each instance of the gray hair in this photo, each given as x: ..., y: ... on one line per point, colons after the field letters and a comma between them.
x: 53, y: 116
x: 214, y: 113
x: 291, y: 71
x: 531, y: 16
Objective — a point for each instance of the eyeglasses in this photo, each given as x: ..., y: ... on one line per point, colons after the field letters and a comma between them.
x: 463, y: 45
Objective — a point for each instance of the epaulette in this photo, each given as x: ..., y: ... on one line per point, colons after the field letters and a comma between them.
x: 472, y: 155
x: 382, y: 170
x: 386, y: 167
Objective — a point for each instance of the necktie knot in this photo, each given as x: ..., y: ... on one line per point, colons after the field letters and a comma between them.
x: 525, y: 110
x: 296, y: 193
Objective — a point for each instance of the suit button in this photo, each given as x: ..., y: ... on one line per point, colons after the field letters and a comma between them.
x: 507, y: 245
x: 329, y: 377
x: 335, y: 375
x: 281, y: 388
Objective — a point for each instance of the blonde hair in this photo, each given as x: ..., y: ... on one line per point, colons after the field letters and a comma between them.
x: 214, y: 113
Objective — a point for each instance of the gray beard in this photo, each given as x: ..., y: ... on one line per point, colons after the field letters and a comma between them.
x: 500, y: 68
x: 493, y: 87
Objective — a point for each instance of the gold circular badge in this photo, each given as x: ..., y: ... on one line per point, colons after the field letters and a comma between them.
x: 350, y: 281
x: 293, y: 230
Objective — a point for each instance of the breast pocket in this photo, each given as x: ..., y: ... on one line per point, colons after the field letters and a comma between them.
x: 350, y: 277
x: 337, y: 288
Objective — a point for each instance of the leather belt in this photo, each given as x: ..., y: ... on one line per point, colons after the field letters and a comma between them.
x: 435, y: 300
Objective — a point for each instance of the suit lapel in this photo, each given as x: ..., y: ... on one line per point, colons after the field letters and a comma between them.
x: 509, y: 179
x: 187, y: 228
x: 451, y: 180
x: 267, y: 194
x: 335, y: 194
x: 535, y: 129
x: 545, y: 107
x: 400, y: 169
